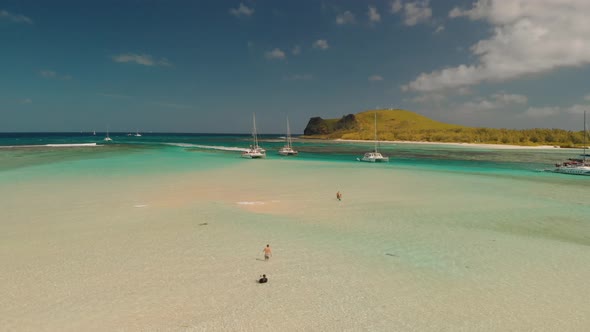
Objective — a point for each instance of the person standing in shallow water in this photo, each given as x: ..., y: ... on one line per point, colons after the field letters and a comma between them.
x: 267, y: 252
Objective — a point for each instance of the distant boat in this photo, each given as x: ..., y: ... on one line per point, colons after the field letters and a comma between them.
x: 107, y: 138
x: 374, y: 156
x: 287, y: 150
x: 575, y: 166
x: 94, y: 133
x: 137, y: 134
x: 254, y: 151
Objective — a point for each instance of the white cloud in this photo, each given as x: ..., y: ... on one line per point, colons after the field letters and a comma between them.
x: 396, y: 6
x: 141, y: 59
x: 46, y: 73
x: 375, y: 78
x: 439, y: 29
x: 321, y: 44
x: 528, y: 37
x: 242, y: 10
x: 539, y: 112
x: 16, y: 18
x: 275, y: 54
x: 497, y: 101
x: 373, y: 14
x: 299, y: 77
x: 345, y: 18
x: 296, y: 50
x: 504, y: 98
x: 417, y: 12
x: 429, y: 98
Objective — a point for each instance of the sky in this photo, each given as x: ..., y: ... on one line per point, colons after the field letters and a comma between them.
x: 207, y: 66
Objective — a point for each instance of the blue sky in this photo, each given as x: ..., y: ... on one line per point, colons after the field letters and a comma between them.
x: 205, y: 66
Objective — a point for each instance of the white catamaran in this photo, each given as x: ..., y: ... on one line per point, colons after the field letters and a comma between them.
x: 576, y: 166
x: 254, y: 151
x: 287, y: 150
x: 107, y: 138
x: 374, y: 156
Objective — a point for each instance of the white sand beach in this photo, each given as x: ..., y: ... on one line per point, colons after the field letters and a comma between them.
x: 473, y: 145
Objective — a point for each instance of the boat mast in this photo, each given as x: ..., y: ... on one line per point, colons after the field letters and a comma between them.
x: 288, y: 134
x: 584, y: 156
x: 254, y: 130
x: 375, y: 131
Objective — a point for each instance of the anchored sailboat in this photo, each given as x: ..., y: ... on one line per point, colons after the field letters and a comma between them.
x: 576, y: 166
x: 255, y: 151
x: 287, y: 150
x: 374, y: 156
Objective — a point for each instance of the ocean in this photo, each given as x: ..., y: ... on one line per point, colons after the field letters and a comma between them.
x: 166, y: 231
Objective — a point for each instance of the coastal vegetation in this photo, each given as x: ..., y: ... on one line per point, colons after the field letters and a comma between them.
x: 402, y: 125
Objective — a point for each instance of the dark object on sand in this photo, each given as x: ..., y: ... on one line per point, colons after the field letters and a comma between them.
x: 263, y: 279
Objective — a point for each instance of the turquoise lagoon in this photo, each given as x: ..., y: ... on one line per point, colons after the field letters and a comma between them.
x: 164, y: 231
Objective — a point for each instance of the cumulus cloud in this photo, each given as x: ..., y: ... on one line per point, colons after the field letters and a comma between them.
x: 439, y: 29
x: 373, y: 14
x: 528, y: 37
x: 414, y: 12
x: 417, y: 12
x: 242, y: 10
x: 141, y: 59
x: 345, y: 18
x: 396, y: 6
x: 16, y: 18
x: 375, y: 78
x: 275, y: 54
x: 322, y: 44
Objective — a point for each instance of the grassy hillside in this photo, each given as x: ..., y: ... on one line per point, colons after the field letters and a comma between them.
x: 390, y: 122
x: 409, y: 126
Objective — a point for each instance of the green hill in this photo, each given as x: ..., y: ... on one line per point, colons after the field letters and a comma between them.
x: 402, y: 125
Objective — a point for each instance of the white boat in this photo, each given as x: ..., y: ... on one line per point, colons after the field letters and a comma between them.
x: 287, y: 150
x: 374, y: 156
x: 137, y: 134
x: 107, y: 138
x: 575, y: 166
x: 254, y: 151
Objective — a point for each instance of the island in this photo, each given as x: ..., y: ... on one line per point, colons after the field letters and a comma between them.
x: 402, y: 125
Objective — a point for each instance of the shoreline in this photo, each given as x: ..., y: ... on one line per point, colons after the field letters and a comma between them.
x: 471, y: 145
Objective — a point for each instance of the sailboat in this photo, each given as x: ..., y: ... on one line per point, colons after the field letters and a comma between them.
x: 576, y: 166
x: 374, y: 156
x: 255, y: 151
x: 107, y: 138
x: 137, y: 134
x: 287, y: 150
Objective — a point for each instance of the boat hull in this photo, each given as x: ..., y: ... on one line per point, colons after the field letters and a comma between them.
x: 583, y: 170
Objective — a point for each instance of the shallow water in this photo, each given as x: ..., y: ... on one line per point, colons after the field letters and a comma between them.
x: 151, y: 236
